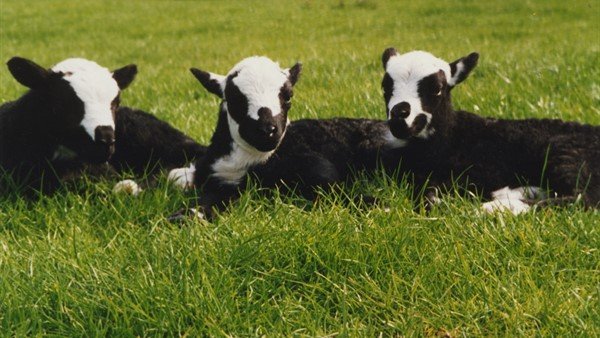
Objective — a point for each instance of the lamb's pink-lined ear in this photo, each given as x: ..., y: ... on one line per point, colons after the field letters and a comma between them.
x: 214, y: 83
x: 294, y: 72
x: 125, y: 75
x: 27, y: 72
x: 461, y: 68
x: 387, y: 54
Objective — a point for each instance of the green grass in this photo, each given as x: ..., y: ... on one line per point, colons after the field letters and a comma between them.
x: 94, y: 264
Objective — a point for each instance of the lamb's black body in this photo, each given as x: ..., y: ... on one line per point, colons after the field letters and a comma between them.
x: 320, y: 152
x: 144, y: 144
x: 313, y: 153
x: 485, y: 154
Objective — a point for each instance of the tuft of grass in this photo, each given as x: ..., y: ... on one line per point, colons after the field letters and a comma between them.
x: 84, y: 262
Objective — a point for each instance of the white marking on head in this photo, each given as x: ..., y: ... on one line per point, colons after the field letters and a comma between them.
x: 406, y: 71
x: 234, y: 131
x: 95, y: 87
x: 260, y: 80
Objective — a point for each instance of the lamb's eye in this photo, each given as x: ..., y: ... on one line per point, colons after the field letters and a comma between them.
x: 115, y: 103
x: 287, y: 97
x: 439, y: 93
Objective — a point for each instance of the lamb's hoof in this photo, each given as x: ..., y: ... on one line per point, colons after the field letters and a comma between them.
x: 127, y: 187
x: 186, y: 214
x: 182, y: 178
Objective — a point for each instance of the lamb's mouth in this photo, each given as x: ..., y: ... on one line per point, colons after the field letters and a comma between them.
x: 401, y: 130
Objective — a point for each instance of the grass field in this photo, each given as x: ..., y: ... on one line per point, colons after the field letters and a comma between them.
x: 94, y: 264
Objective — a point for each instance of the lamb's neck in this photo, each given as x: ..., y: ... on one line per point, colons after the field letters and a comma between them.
x: 444, y: 128
x: 228, y: 160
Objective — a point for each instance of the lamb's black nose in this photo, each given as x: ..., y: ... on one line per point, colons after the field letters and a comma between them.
x: 269, y: 129
x: 400, y: 111
x: 105, y: 134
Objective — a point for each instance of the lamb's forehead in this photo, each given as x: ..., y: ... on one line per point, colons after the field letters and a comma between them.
x: 413, y: 66
x: 258, y: 73
x: 88, y: 78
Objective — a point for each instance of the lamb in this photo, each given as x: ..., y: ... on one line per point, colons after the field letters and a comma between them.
x: 254, y: 138
x: 486, y: 155
x: 65, y: 125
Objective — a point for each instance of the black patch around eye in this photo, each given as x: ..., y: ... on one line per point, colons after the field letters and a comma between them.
x: 429, y: 89
x: 237, y: 102
x: 285, y: 96
x: 114, y: 104
x: 388, y: 87
x: 68, y: 109
x: 429, y: 86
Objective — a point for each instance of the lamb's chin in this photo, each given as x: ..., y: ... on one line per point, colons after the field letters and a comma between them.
x: 399, y: 129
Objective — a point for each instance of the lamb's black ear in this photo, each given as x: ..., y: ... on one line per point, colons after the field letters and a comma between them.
x: 124, y: 76
x: 461, y: 68
x: 27, y: 72
x: 294, y: 73
x: 387, y: 54
x: 214, y: 83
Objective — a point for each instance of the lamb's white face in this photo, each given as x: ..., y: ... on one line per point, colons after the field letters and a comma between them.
x: 416, y: 89
x: 257, y: 95
x: 95, y: 87
x: 410, y: 84
x: 261, y: 81
x: 80, y: 102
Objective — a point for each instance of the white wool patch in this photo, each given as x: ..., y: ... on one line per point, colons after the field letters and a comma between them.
x: 393, y: 142
x: 128, y: 187
x: 514, y: 206
x: 95, y: 87
x: 426, y: 132
x: 406, y: 71
x: 183, y: 178
x: 512, y: 200
x: 231, y: 168
x: 260, y: 79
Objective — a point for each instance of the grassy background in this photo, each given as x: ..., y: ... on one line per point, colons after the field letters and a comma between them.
x: 92, y: 264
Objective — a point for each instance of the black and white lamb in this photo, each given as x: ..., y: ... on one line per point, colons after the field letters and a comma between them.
x: 65, y: 125
x: 254, y: 138
x: 486, y: 155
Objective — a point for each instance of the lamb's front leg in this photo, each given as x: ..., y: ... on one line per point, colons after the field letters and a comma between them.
x: 426, y: 191
x: 214, y: 197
